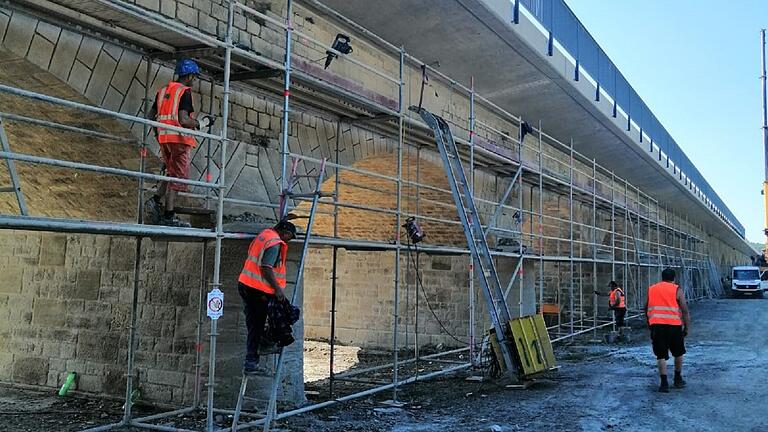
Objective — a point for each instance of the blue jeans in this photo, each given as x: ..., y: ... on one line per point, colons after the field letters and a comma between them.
x: 255, y: 308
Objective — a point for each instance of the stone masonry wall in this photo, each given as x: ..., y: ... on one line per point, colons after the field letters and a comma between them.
x: 65, y: 305
x: 66, y: 308
x: 365, y: 298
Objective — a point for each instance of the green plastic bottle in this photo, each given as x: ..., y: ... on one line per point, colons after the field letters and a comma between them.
x: 67, y: 384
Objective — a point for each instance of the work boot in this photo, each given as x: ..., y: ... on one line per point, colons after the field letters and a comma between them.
x: 174, y: 221
x: 152, y: 213
x: 679, y: 381
x: 664, y: 386
x: 251, y: 367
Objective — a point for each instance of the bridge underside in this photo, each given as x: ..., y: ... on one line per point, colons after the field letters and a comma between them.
x: 510, y: 66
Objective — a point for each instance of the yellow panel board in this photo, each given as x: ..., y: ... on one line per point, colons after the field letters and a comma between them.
x: 497, y: 350
x: 533, y: 346
x: 546, y: 344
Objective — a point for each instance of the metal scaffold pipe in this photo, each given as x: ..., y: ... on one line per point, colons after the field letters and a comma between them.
x: 765, y: 129
x: 219, y: 216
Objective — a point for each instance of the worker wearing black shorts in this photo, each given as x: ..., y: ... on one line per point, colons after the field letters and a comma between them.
x: 667, y: 339
x: 669, y: 321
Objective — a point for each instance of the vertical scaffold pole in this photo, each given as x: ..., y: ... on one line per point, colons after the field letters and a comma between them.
x: 570, y: 235
x: 199, y: 330
x: 398, y: 222
x: 594, y: 246
x: 521, y: 275
x: 220, y: 214
x: 137, y: 259
x: 637, y: 232
x: 208, y: 177
x: 286, y: 94
x: 625, y: 244
x: 765, y: 128
x: 472, y: 192
x: 416, y: 281
x: 613, y: 230
x: 541, y: 222
x: 613, y: 226
x: 334, y: 266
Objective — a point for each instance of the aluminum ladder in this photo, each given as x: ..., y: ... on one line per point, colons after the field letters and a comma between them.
x: 485, y: 269
x: 15, y: 186
x: 285, y: 196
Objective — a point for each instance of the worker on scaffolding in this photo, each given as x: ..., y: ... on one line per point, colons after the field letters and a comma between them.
x: 668, y: 319
x: 617, y: 303
x: 173, y: 106
x: 261, y: 281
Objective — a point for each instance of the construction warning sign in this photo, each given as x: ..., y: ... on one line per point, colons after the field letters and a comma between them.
x: 215, y: 304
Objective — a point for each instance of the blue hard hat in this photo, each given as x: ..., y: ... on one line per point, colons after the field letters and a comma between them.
x: 187, y: 67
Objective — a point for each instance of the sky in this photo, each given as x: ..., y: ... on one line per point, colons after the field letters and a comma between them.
x: 696, y: 64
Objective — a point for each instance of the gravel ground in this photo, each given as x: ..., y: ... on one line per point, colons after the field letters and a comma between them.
x: 598, y: 388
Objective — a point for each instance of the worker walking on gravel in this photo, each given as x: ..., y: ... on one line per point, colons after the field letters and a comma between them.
x: 668, y: 319
x: 263, y: 279
x: 173, y: 106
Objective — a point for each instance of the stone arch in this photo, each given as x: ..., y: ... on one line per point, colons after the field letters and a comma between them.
x: 364, y: 190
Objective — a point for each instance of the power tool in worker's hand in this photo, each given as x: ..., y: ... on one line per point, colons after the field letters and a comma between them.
x: 205, y: 122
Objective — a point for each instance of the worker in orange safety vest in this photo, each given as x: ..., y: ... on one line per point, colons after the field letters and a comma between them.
x: 173, y: 107
x: 262, y: 279
x: 617, y: 303
x: 668, y: 319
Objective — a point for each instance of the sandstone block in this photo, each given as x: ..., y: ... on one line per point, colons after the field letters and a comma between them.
x: 89, y: 52
x: 64, y: 54
x: 47, y: 312
x: 53, y: 250
x: 19, y: 34
x: 88, y: 283
x: 186, y: 14
x: 97, y: 346
x: 121, y: 254
x: 149, y: 4
x: 30, y: 370
x: 102, y: 75
x: 12, y: 279
x: 168, y: 8
x: 40, y: 51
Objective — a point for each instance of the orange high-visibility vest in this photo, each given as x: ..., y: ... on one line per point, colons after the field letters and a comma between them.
x: 662, y: 304
x: 168, y: 99
x: 612, y: 299
x: 251, y: 274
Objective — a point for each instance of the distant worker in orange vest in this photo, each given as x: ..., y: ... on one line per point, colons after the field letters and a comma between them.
x: 669, y: 321
x: 262, y: 279
x: 173, y: 106
x: 617, y: 303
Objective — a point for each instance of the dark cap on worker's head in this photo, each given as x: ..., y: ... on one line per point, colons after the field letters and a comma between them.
x: 613, y: 284
x: 286, y: 227
x: 668, y: 275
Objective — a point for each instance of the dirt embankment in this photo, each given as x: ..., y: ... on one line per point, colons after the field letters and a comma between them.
x: 58, y: 192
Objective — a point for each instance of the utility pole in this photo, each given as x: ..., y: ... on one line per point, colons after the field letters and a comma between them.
x: 765, y: 132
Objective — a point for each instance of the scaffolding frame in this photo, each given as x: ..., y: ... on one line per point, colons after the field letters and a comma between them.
x: 679, y: 247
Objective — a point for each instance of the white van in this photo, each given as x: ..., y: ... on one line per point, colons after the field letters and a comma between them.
x: 746, y: 280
